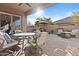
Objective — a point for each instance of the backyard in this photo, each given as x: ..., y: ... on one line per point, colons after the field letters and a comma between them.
x: 28, y: 30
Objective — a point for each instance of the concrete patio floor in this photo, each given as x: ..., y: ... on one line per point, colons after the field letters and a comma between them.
x: 58, y: 46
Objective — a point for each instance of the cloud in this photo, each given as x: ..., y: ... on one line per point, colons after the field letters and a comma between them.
x: 39, y: 13
x: 54, y: 16
x: 60, y: 16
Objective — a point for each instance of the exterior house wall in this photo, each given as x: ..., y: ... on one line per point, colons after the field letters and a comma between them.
x: 23, y: 20
x: 64, y: 26
x: 11, y: 11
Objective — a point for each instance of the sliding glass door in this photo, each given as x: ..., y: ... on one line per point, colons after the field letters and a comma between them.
x: 15, y: 21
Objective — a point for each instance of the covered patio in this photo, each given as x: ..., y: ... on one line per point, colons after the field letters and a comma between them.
x: 16, y: 14
x: 19, y: 11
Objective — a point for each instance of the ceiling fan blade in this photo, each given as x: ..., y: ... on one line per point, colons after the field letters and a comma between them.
x: 25, y: 3
x: 20, y: 4
x: 28, y: 4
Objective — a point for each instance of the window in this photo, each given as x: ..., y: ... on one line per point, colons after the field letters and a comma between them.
x: 17, y: 22
x: 3, y: 18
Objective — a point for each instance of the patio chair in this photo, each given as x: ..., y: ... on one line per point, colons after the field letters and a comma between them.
x: 42, y: 39
x: 74, y: 33
x: 59, y: 31
x: 36, y: 50
x: 6, y: 44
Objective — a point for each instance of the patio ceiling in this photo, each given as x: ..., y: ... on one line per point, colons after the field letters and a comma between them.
x: 23, y: 8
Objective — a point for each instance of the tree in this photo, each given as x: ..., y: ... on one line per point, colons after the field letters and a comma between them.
x: 37, y: 23
x: 39, y: 19
x: 48, y: 20
x: 48, y: 25
x: 75, y: 17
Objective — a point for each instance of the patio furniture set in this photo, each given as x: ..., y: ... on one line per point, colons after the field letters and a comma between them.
x: 67, y: 34
x: 17, y: 46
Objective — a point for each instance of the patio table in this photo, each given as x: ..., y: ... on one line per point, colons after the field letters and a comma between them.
x: 24, y: 36
x: 66, y: 34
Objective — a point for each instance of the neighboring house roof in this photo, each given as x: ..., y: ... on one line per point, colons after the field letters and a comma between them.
x: 43, y: 22
x: 64, y: 20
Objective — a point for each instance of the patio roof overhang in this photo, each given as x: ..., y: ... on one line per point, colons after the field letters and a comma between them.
x: 14, y: 8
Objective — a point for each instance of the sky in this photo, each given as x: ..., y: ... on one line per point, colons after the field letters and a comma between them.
x: 56, y: 12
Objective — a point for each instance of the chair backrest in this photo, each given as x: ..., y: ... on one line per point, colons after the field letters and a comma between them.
x: 42, y: 39
x: 6, y: 41
x: 2, y: 41
x: 75, y: 30
x: 7, y: 38
x: 59, y: 31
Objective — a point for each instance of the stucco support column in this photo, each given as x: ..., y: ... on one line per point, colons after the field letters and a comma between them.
x: 24, y: 22
x: 0, y: 21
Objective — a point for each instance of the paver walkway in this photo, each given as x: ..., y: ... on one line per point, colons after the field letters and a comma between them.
x: 57, y: 46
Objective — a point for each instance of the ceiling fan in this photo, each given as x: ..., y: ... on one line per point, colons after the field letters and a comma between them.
x: 24, y: 3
